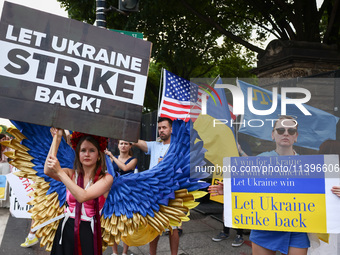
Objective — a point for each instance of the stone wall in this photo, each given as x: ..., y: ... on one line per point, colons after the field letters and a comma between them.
x: 291, y: 59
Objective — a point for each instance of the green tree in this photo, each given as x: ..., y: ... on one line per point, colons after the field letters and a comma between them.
x: 181, y: 44
x: 297, y: 20
x: 204, y: 21
x: 184, y: 33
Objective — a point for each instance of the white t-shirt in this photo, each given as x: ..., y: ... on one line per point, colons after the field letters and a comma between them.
x: 156, y: 150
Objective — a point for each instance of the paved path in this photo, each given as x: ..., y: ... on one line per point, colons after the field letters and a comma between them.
x: 4, y: 214
x: 196, y: 238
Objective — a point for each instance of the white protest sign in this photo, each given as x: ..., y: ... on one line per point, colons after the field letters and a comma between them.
x: 61, y: 72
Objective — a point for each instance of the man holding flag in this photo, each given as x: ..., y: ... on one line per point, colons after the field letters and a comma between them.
x: 187, y: 100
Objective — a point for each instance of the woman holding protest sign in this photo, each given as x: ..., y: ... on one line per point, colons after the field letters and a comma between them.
x: 284, y: 134
x: 87, y: 188
x: 124, y: 163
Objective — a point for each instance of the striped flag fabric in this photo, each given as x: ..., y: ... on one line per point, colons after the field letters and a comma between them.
x: 181, y: 99
x: 233, y: 116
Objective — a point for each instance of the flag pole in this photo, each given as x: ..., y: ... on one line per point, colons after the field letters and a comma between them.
x: 213, y: 82
x: 159, y: 97
x: 159, y: 90
x: 242, y: 116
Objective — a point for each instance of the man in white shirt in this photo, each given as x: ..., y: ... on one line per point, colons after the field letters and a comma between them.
x: 157, y: 150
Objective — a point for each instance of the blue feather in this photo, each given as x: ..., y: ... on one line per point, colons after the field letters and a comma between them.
x: 38, y: 141
x: 144, y: 192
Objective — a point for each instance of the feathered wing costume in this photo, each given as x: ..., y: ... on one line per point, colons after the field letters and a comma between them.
x: 139, y: 206
x: 30, y: 146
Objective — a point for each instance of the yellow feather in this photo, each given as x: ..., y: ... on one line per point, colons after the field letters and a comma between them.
x: 198, y: 194
x: 191, y: 204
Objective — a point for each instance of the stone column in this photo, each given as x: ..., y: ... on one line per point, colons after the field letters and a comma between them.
x: 291, y: 59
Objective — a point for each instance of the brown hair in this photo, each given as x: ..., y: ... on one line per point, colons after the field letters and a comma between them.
x: 330, y: 147
x: 285, y: 117
x: 161, y: 119
x: 78, y: 165
x: 1, y: 136
x: 130, y: 151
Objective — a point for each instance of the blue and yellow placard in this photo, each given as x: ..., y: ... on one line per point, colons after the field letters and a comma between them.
x: 283, y: 193
x: 2, y: 187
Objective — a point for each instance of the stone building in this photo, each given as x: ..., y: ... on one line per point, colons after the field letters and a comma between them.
x: 293, y: 60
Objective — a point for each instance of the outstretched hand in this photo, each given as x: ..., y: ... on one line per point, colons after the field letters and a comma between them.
x: 107, y: 152
x: 216, y: 190
x: 336, y: 190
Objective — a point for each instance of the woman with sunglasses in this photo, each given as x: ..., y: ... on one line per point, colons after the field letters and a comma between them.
x: 284, y: 135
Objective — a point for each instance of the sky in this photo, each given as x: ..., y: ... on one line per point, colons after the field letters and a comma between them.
x: 51, y: 6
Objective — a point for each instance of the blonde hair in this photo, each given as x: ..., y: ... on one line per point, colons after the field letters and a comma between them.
x: 285, y: 117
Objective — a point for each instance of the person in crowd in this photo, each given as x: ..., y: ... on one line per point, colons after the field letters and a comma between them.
x: 123, y: 163
x: 224, y: 234
x: 87, y: 186
x: 284, y: 134
x: 3, y: 149
x: 1, y: 146
x: 331, y: 147
x: 31, y: 239
x: 330, y: 247
x: 157, y: 150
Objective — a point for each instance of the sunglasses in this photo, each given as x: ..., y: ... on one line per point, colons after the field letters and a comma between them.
x: 281, y: 131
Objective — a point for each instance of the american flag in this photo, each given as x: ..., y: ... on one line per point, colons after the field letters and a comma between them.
x: 181, y: 99
x: 232, y: 115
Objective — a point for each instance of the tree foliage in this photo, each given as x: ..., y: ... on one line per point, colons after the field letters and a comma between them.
x: 297, y: 20
x: 185, y: 33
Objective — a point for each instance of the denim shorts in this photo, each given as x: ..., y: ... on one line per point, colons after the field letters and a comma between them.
x: 279, y: 240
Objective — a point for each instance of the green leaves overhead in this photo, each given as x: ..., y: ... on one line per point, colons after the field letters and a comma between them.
x: 203, y: 38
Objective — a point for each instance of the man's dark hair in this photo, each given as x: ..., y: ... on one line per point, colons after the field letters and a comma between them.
x: 165, y: 119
